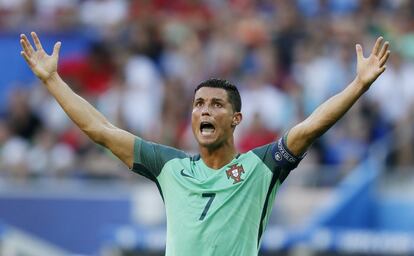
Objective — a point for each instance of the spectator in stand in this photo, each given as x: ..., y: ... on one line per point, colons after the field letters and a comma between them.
x: 90, y: 73
x: 161, y: 48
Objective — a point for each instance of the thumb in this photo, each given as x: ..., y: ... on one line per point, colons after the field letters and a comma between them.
x: 359, y: 52
x: 56, y: 49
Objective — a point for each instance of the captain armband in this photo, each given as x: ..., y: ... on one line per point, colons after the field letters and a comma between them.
x: 283, y: 157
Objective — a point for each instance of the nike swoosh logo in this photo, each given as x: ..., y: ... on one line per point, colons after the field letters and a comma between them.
x: 185, y: 174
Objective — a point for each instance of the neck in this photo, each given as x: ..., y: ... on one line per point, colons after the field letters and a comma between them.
x: 216, y: 158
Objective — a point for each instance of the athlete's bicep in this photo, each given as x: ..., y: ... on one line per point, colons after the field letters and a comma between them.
x: 298, y: 140
x: 121, y: 144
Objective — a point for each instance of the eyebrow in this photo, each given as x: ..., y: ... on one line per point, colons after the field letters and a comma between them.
x: 198, y: 99
x: 219, y: 100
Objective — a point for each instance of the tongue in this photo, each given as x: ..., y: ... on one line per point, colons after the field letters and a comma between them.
x: 207, y: 131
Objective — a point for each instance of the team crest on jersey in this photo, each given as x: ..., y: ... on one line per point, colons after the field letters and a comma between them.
x: 235, y: 173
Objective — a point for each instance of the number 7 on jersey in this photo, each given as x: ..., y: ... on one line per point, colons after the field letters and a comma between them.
x: 211, y: 196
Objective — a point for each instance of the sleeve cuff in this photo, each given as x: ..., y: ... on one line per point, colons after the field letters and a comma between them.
x: 283, y: 156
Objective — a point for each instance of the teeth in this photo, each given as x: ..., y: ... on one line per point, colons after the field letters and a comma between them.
x: 207, y: 131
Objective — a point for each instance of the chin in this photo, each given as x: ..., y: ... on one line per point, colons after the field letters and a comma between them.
x: 208, y: 143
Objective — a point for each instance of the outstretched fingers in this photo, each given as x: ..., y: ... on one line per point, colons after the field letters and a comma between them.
x: 384, y: 59
x: 360, y: 54
x: 56, y: 49
x: 384, y: 49
x: 27, y: 50
x: 27, y: 58
x: 381, y: 51
x: 27, y: 47
x: 36, y: 41
x: 378, y: 43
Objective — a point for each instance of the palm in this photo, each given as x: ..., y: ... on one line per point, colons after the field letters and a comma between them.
x: 42, y: 64
x: 369, y: 69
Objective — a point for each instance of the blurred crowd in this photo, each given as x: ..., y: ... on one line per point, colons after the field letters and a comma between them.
x: 286, y: 57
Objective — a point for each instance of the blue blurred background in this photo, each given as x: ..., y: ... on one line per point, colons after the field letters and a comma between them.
x: 139, y: 61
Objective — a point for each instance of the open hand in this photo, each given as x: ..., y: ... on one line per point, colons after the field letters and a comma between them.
x: 42, y: 64
x: 369, y: 69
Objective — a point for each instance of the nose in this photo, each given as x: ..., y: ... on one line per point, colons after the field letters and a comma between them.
x: 205, y: 111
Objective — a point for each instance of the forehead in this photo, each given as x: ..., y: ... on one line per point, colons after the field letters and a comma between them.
x: 208, y: 93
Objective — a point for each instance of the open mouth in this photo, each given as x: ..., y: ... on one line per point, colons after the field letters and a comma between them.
x: 207, y: 128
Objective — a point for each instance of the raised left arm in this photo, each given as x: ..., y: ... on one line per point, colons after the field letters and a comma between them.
x: 302, y: 135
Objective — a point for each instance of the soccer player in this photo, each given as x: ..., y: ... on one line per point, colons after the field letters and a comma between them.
x: 217, y: 202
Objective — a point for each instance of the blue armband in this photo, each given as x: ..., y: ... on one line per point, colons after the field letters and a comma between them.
x: 283, y: 157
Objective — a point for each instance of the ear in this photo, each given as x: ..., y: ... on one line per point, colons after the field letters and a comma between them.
x: 237, y: 118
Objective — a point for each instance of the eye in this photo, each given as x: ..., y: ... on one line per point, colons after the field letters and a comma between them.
x: 198, y: 104
x: 218, y: 105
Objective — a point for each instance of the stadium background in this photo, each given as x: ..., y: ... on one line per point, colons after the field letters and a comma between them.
x: 138, y: 63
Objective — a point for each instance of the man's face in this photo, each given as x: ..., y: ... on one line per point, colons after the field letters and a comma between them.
x: 213, y: 119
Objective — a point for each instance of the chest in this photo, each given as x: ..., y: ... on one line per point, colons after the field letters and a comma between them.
x: 195, y: 193
x: 186, y: 179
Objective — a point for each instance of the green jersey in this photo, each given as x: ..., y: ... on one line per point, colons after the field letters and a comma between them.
x: 215, y: 212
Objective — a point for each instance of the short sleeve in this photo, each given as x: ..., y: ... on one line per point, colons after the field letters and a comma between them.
x: 150, y: 158
x: 283, y: 157
x: 277, y: 157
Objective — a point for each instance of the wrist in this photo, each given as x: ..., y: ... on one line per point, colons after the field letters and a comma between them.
x: 361, y: 85
x: 51, y: 79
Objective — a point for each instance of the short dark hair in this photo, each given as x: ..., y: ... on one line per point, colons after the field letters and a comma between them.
x: 232, y: 91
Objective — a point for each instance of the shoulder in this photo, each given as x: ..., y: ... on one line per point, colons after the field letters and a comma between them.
x: 151, y: 157
x: 277, y: 154
x: 147, y: 148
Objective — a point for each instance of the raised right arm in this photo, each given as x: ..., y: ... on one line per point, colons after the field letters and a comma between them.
x: 83, y: 114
